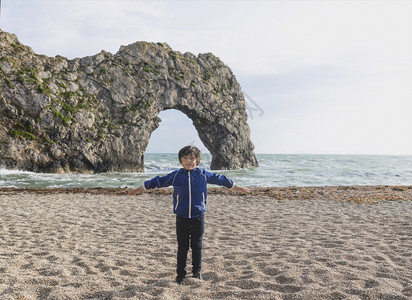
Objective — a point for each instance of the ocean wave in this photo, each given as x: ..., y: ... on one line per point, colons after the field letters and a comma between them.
x: 274, y: 171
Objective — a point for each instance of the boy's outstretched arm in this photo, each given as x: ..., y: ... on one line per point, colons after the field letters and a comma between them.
x: 241, y: 189
x: 224, y: 181
x: 156, y: 182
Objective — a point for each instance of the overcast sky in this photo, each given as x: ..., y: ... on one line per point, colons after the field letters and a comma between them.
x: 321, y: 76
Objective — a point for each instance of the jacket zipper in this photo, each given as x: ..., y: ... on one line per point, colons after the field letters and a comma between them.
x: 190, y: 198
x: 177, y: 201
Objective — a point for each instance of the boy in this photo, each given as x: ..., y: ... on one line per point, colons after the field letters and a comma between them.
x: 189, y: 204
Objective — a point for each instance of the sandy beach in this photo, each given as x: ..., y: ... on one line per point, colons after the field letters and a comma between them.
x: 276, y: 243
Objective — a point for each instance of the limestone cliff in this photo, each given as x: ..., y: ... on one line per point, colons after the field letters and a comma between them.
x: 96, y: 113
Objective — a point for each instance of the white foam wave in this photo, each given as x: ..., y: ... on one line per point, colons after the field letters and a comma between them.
x: 274, y: 170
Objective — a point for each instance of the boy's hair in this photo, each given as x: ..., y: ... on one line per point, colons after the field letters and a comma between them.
x: 190, y: 150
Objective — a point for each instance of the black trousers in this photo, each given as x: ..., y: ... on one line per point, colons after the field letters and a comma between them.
x: 189, y: 232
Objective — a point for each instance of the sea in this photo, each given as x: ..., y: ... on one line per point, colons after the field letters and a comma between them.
x: 275, y: 170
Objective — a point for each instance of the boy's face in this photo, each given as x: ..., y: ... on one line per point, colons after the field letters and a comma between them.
x: 189, y: 162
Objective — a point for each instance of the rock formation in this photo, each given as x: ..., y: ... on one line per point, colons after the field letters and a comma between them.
x: 96, y: 113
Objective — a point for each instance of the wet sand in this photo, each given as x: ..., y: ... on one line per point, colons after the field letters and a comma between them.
x: 276, y: 243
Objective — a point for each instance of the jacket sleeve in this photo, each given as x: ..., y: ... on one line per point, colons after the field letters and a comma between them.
x: 160, y: 181
x: 218, y: 179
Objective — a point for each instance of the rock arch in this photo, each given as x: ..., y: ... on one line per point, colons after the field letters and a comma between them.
x: 97, y: 113
x: 226, y: 138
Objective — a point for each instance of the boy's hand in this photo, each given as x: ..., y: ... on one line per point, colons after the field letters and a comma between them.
x: 242, y: 189
x: 136, y: 191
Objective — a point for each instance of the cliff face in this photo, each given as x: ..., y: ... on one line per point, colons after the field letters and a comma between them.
x: 96, y: 113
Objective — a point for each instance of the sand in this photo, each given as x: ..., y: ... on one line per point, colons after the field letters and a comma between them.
x: 290, y: 243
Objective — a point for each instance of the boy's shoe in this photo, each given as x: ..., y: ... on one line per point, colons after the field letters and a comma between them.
x: 179, y: 279
x: 198, y: 276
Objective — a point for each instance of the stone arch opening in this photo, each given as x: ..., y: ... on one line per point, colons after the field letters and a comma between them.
x: 225, y: 136
x: 175, y: 131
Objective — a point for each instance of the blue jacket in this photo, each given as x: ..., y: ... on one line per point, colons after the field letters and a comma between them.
x: 189, y: 189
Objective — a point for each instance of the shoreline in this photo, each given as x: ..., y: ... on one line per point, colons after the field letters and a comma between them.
x: 360, y: 194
